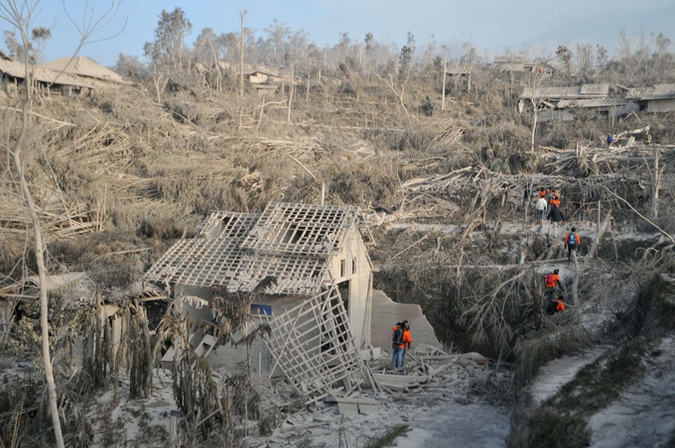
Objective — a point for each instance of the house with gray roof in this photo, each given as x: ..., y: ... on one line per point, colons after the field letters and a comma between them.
x: 559, y: 103
x: 47, y: 81
x: 84, y: 68
x: 657, y: 98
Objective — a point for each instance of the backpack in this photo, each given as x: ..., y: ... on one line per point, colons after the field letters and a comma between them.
x: 548, y: 279
x: 398, y: 337
x: 572, y: 240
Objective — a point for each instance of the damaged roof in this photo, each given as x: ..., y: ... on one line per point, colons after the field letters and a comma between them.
x: 571, y: 92
x: 658, y: 91
x: 291, y: 242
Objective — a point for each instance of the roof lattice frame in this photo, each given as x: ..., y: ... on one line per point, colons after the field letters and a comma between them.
x: 301, y: 229
x: 213, y: 259
x: 291, y: 242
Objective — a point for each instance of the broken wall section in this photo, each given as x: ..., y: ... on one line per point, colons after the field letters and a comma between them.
x: 386, y: 313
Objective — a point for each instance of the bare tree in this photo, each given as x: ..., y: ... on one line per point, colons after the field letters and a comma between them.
x: 534, y: 80
x: 20, y: 15
x: 445, y: 74
x: 469, y: 60
x: 241, y: 54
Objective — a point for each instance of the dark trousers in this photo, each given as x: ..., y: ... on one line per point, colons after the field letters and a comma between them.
x: 570, y: 249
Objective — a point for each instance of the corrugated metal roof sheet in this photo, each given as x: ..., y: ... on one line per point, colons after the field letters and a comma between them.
x: 595, y: 89
x: 551, y: 92
x: 659, y: 91
x: 567, y: 92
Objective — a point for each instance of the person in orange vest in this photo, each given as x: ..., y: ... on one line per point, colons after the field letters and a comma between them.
x: 549, y: 197
x: 555, y: 306
x: 407, y: 339
x: 552, y: 285
x: 555, y: 202
x: 572, y: 242
x: 542, y: 193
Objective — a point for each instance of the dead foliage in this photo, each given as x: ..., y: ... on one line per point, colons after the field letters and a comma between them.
x: 97, y: 358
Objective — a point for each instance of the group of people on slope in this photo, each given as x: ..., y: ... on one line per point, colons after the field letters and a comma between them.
x: 552, y: 285
x: 548, y: 203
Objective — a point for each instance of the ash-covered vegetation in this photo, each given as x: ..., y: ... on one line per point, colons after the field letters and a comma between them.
x: 120, y: 174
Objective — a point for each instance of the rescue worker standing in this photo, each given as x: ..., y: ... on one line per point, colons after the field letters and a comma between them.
x: 397, y: 345
x: 407, y: 340
x: 555, y: 201
x: 541, y: 207
x: 555, y: 216
x: 572, y: 242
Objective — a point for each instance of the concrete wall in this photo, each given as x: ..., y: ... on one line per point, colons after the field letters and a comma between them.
x: 234, y: 358
x: 357, y: 270
x: 386, y: 313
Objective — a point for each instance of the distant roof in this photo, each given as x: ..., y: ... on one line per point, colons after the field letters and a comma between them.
x: 659, y: 91
x: 510, y: 60
x: 569, y: 92
x: 82, y: 66
x: 457, y: 71
x: 41, y: 74
x: 264, y: 72
x: 291, y: 242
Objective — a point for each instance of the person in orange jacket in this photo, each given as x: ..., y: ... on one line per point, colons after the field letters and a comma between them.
x: 552, y: 285
x: 555, y: 306
x: 572, y: 242
x: 555, y: 202
x: 407, y: 339
x: 400, y: 341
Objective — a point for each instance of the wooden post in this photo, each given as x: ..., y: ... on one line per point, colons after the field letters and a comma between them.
x: 173, y: 432
x: 656, y: 178
x: 291, y: 88
x: 445, y: 75
x: 241, y: 55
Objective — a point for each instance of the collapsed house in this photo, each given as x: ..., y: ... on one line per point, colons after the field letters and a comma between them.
x: 72, y: 287
x: 318, y: 306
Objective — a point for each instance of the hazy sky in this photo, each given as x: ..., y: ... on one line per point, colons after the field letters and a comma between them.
x: 491, y: 24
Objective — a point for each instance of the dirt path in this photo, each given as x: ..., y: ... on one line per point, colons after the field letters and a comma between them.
x: 454, y: 425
